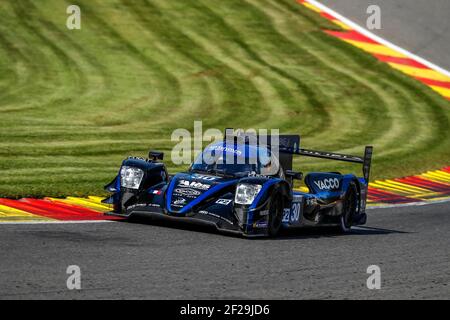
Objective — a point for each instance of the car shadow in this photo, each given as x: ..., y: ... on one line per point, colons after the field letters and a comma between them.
x: 300, y: 233
x: 328, y: 232
x: 179, y: 225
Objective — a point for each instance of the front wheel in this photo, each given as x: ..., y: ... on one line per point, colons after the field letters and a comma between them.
x: 349, y: 208
x: 275, y: 215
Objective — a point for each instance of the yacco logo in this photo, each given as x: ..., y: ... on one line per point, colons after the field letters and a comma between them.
x: 193, y: 184
x: 326, y: 184
x: 187, y: 192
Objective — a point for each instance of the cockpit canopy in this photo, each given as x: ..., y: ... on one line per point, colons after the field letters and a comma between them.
x: 237, y: 160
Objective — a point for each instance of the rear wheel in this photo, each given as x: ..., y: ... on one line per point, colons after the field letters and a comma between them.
x: 350, y: 207
x: 275, y: 215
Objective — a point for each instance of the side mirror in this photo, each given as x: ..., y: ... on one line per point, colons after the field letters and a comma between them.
x: 294, y: 175
x: 156, y: 155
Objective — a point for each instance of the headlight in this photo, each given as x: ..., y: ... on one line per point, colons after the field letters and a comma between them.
x: 246, y: 193
x: 131, y: 177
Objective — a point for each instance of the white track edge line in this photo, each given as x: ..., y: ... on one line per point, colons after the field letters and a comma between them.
x: 412, y: 204
x: 378, y: 38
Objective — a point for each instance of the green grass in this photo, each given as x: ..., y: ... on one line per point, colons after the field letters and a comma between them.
x: 74, y: 103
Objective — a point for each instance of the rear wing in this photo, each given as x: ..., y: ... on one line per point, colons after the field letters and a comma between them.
x: 366, y: 160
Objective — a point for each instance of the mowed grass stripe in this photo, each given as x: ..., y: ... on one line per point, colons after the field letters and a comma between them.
x: 75, y: 103
x: 195, y: 66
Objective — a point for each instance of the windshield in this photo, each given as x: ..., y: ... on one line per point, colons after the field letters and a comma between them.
x: 235, y: 161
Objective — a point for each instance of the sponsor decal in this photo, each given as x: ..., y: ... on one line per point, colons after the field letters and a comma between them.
x: 331, y: 155
x: 224, y: 202
x: 257, y: 175
x: 226, y: 149
x: 327, y: 184
x: 207, y: 178
x: 193, y: 184
x: 139, y: 158
x: 180, y: 201
x: 286, y: 215
x: 136, y: 206
x: 296, y: 212
x: 260, y: 224
x: 207, y: 213
x: 141, y: 205
x: 187, y: 192
x: 264, y: 212
x: 157, y: 192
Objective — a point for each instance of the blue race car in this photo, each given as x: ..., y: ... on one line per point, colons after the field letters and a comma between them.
x: 251, y: 197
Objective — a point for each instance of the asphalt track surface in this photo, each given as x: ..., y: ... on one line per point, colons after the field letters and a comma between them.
x: 145, y: 260
x: 411, y: 245
x: 419, y: 26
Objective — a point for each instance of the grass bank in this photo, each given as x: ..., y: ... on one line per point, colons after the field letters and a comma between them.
x: 73, y: 104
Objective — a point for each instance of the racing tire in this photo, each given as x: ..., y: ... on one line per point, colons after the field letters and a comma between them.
x: 349, y: 209
x: 275, y: 215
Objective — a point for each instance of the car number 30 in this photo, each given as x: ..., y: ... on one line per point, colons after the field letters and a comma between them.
x: 294, y: 214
